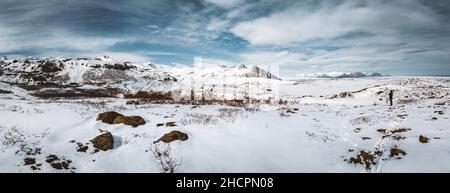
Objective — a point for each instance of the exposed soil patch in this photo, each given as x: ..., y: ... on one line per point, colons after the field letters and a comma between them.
x: 59, y: 163
x: 150, y: 96
x: 400, y: 130
x: 50, y: 67
x: 342, y: 95
x: 132, y: 102
x: 51, y: 158
x: 381, y: 130
x: 439, y: 112
x: 78, y: 93
x: 402, y: 116
x: 5, y: 91
x: 82, y: 147
x: 122, y: 67
x: 365, y: 158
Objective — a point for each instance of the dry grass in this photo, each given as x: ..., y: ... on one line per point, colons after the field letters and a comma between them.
x: 361, y: 120
x: 198, y: 119
x: 230, y: 114
x: 165, y: 158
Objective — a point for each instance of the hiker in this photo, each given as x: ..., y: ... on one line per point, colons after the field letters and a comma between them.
x: 391, y: 96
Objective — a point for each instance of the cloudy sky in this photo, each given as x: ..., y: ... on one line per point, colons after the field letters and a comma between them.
x: 399, y: 37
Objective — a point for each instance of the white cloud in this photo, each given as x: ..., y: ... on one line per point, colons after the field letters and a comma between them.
x: 329, y: 21
x: 225, y: 3
x: 216, y: 24
x: 269, y: 58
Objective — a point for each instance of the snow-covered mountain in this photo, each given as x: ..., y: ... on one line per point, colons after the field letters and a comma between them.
x: 339, y: 75
x: 113, y: 78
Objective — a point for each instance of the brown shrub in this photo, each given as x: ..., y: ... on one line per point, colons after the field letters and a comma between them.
x: 150, y: 95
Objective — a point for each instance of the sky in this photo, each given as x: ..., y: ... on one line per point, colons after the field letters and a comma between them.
x: 397, y: 37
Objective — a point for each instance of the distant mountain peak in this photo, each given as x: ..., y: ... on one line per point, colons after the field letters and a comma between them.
x: 339, y: 75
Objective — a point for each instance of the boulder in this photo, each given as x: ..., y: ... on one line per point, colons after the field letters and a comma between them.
x: 172, y: 136
x: 129, y: 120
x: 108, y: 117
x: 104, y: 141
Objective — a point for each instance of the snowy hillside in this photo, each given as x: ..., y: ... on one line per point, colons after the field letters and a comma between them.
x: 105, y: 77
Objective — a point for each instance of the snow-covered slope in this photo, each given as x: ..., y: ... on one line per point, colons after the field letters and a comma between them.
x: 359, y: 132
x: 104, y: 73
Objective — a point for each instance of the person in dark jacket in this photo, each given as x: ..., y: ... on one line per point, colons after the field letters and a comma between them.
x: 391, y: 96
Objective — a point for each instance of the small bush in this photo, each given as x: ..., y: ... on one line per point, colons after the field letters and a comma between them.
x: 361, y: 120
x: 199, y: 119
x: 165, y: 158
x: 12, y: 136
x: 229, y: 114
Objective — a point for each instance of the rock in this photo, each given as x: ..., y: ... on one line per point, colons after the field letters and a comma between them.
x: 172, y: 136
x: 129, y: 120
x: 29, y: 161
x: 160, y: 124
x: 423, y: 139
x: 104, y: 141
x: 108, y: 117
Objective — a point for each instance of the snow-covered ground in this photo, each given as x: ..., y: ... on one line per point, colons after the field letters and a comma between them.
x: 319, y: 129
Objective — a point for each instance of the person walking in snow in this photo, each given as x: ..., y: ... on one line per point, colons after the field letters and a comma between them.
x: 391, y: 96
